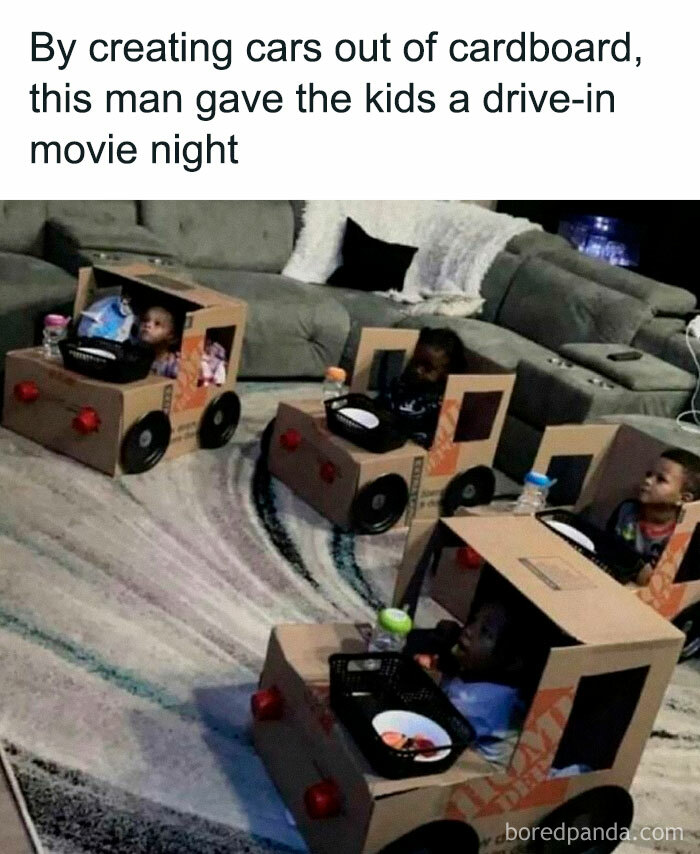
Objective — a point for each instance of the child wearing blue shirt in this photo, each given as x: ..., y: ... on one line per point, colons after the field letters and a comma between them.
x: 485, y: 671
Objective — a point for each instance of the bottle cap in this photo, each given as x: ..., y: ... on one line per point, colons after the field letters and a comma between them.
x: 395, y: 620
x: 56, y: 320
x: 337, y: 375
x: 537, y: 479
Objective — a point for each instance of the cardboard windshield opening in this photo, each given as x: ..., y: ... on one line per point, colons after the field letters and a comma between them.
x: 387, y: 366
x: 568, y: 471
x: 477, y: 415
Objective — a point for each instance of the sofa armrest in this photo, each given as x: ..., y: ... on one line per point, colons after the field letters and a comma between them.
x: 77, y: 243
x: 648, y: 373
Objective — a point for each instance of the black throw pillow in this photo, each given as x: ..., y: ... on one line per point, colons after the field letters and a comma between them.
x: 370, y: 264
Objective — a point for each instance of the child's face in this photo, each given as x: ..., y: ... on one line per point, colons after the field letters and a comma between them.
x: 428, y: 365
x: 664, y: 484
x: 157, y: 327
x: 476, y: 648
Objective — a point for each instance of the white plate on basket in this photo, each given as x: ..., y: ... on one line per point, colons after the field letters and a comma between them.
x: 572, y: 533
x: 360, y: 416
x: 96, y: 351
x: 412, y: 724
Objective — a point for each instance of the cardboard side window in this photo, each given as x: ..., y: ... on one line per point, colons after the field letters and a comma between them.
x: 477, y: 415
x: 601, y: 714
x: 689, y: 570
x: 218, y: 343
x: 569, y: 473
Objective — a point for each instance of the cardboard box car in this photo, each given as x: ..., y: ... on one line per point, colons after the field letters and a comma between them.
x: 612, y: 639
x: 371, y: 492
x: 597, y: 467
x: 17, y: 833
x: 128, y: 427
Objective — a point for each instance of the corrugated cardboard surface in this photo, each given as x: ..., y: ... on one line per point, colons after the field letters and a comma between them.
x: 583, y: 601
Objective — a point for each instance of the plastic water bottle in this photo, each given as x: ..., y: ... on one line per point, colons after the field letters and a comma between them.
x: 55, y: 328
x: 389, y: 634
x: 533, y: 498
x: 334, y: 383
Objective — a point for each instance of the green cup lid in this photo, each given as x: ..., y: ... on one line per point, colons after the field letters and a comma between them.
x: 395, y: 620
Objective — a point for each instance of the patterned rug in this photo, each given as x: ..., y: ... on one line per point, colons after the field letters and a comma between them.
x: 134, y: 616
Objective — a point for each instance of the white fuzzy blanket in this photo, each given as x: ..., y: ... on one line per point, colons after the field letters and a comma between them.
x: 457, y: 242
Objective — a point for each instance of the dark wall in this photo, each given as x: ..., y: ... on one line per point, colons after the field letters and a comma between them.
x: 668, y: 230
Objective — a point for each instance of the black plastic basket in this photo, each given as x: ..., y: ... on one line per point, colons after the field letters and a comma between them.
x: 385, y: 436
x: 131, y: 361
x: 364, y: 685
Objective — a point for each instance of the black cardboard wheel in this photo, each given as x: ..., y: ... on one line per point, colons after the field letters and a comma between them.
x: 220, y: 420
x: 688, y: 622
x: 600, y: 810
x: 437, y: 837
x: 470, y: 488
x: 379, y: 504
x: 145, y: 442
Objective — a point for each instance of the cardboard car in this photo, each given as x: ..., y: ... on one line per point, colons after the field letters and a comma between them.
x: 598, y: 466
x: 128, y: 427
x: 371, y: 492
x: 596, y: 694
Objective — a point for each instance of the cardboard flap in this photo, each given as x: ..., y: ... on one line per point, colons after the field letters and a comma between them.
x: 374, y: 339
x: 576, y: 595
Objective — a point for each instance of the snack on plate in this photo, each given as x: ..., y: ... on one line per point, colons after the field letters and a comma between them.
x: 399, y: 741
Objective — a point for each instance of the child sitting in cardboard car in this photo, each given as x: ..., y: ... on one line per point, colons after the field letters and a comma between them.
x: 323, y: 456
x: 589, y: 704
x: 122, y: 404
x: 608, y: 479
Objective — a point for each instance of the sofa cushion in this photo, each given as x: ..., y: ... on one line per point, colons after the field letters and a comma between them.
x: 119, y: 237
x: 660, y: 297
x: 683, y: 352
x: 23, y: 271
x: 489, y: 347
x: 495, y: 284
x: 236, y: 235
x: 555, y: 307
x: 98, y: 212
x: 294, y: 329
x: 645, y: 374
x: 22, y: 227
x: 81, y: 242
x: 654, y: 335
x: 536, y: 243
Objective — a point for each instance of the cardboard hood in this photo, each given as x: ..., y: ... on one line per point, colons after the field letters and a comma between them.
x: 577, y: 596
x: 306, y: 649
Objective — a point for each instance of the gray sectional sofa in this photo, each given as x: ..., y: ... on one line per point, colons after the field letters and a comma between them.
x: 551, y: 315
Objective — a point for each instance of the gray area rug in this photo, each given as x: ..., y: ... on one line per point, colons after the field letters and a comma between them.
x: 134, y: 616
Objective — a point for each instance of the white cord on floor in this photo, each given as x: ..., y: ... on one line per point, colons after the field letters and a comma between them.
x: 694, y: 325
